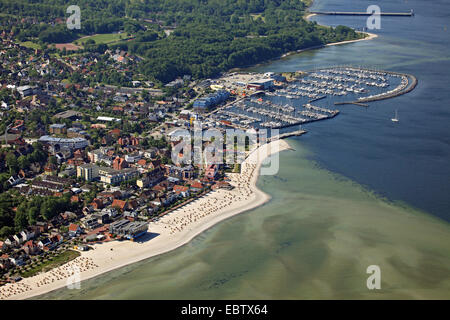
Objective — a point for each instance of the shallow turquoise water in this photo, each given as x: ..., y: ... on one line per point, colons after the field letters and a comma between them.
x: 313, y: 240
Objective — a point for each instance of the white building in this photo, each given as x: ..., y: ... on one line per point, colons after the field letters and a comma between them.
x: 70, y: 143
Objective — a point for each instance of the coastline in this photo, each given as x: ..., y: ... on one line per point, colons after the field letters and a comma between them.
x: 170, y: 232
x: 370, y: 36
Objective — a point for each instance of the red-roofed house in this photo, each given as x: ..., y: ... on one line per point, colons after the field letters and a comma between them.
x: 56, y: 239
x: 74, y: 230
x: 196, y: 186
x: 115, y: 133
x: 120, y: 204
x: 181, y: 190
x: 30, y: 247
x: 142, y: 163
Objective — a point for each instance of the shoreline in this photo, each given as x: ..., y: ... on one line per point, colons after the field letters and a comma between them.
x: 167, y: 234
x: 370, y: 36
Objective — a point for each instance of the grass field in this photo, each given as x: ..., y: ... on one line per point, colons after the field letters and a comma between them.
x: 102, y: 38
x: 54, y: 262
x: 30, y: 44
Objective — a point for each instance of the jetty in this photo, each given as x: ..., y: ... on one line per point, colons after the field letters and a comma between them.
x: 352, y: 102
x: 392, y: 14
x: 287, y: 135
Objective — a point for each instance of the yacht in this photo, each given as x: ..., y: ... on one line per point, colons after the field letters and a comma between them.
x: 395, y: 119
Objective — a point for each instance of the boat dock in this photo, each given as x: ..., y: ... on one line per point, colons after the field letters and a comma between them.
x: 317, y: 99
x: 409, y: 83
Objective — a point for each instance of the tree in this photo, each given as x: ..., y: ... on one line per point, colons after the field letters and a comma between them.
x: 32, y: 215
x: 234, y: 18
x: 11, y: 162
x: 6, y: 231
x: 20, y: 220
x: 52, y: 160
x: 23, y: 162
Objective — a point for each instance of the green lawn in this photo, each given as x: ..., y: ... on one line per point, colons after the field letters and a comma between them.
x: 57, y: 261
x: 102, y: 38
x: 30, y: 44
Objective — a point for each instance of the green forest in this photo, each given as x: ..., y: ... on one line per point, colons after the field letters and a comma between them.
x: 205, y: 37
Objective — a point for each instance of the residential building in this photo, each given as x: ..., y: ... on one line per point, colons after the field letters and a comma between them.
x: 120, y: 204
x: 54, y: 187
x: 181, y: 190
x: 196, y: 186
x: 27, y: 90
x: 113, y: 176
x: 183, y: 173
x: 30, y: 248
x: 119, y: 163
x: 132, y: 158
x: 205, y: 103
x: 15, y: 180
x: 58, y: 128
x: 88, y: 172
x: 151, y: 178
x: 211, y: 171
x: 74, y: 230
x: 150, y: 153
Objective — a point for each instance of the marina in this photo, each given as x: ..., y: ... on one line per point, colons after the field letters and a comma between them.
x: 311, y: 96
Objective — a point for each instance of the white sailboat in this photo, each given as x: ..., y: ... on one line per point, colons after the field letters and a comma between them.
x: 395, y: 119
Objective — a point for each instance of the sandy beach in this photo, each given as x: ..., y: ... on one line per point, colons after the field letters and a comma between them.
x: 170, y: 232
x: 370, y: 35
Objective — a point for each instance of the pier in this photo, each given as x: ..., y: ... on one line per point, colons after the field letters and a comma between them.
x: 287, y: 135
x: 317, y: 99
x: 392, y: 14
x: 352, y: 102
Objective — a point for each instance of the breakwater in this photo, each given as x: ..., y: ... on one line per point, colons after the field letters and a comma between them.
x: 392, y: 14
x: 409, y: 83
